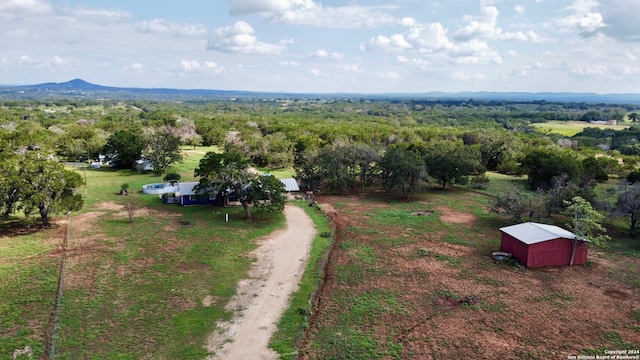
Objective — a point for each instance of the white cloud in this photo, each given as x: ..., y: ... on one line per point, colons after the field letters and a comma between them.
x: 597, y: 70
x: 614, y: 18
x: 24, y: 6
x: 582, y: 6
x: 49, y: 62
x: 485, y: 26
x: 26, y: 60
x: 420, y: 63
x: 194, y: 66
x: 239, y: 38
x: 324, y: 54
x: 527, y: 71
x: 428, y: 38
x: 309, y: 12
x: 585, y: 20
x: 318, y: 73
x: 621, y: 18
x: 386, y: 75
x: 586, y: 24
x: 396, y: 42
x: 459, y: 75
x: 519, y: 9
x: 475, y: 52
x: 353, y: 68
x: 591, y: 45
x: 102, y: 15
x: 425, y: 38
x: 134, y: 68
x: 56, y: 62
x: 408, y: 22
x: 178, y: 29
x: 244, y: 7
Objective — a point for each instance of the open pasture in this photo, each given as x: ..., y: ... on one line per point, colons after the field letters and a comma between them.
x: 415, y: 280
x: 570, y: 128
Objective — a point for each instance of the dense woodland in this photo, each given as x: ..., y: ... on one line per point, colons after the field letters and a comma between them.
x: 334, y: 146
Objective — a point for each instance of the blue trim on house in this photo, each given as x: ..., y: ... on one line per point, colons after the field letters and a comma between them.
x: 200, y: 200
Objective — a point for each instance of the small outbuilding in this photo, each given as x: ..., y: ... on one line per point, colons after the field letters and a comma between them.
x: 540, y: 245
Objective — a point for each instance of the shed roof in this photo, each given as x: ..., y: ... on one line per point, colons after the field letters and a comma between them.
x: 533, y: 233
x: 290, y: 184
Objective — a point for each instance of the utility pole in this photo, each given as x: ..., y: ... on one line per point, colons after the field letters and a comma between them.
x: 86, y: 190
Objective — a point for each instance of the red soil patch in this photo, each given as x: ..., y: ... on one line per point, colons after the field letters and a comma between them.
x: 449, y: 215
x: 458, y: 303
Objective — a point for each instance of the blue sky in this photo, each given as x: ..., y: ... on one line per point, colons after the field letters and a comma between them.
x: 353, y: 46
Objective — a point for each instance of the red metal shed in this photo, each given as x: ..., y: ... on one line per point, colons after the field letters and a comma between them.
x: 538, y: 245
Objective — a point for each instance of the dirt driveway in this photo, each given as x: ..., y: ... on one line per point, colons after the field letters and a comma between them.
x: 262, y: 298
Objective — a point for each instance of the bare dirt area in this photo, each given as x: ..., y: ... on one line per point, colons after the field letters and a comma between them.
x: 426, y: 288
x: 262, y: 298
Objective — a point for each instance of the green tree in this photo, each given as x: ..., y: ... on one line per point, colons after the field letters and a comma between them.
x: 334, y: 167
x: 633, y: 176
x: 48, y: 187
x: 402, y: 169
x: 123, y: 149
x: 221, y: 173
x: 211, y: 132
x: 172, y: 177
x: 597, y: 169
x: 279, y: 151
x: 29, y: 135
x: 497, y: 148
x: 366, y: 158
x: 79, y: 142
x: 267, y: 195
x: 628, y: 204
x: 163, y: 149
x: 11, y: 184
x: 633, y: 117
x: 585, y: 220
x: 518, y: 204
x: 543, y: 165
x: 451, y: 163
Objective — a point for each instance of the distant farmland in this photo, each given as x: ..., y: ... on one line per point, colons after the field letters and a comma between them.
x: 570, y: 128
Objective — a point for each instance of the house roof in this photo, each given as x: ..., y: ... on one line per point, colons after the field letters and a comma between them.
x: 290, y: 184
x: 186, y: 188
x: 533, y: 233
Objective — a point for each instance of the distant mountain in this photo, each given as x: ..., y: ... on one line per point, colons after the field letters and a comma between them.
x: 78, y: 88
x: 75, y: 84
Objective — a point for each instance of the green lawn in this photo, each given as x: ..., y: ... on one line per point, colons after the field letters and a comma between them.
x: 28, y: 285
x: 153, y: 288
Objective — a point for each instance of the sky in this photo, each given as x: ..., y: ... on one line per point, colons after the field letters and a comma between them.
x: 326, y: 46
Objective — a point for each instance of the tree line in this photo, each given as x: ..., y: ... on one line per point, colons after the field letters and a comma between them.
x: 334, y: 146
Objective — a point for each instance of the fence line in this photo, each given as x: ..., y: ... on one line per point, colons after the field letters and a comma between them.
x: 321, y: 269
x: 54, y: 334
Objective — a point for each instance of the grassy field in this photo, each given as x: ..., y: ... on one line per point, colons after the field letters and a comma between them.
x: 406, y: 280
x: 570, y: 128
x: 151, y: 288
x: 28, y: 285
